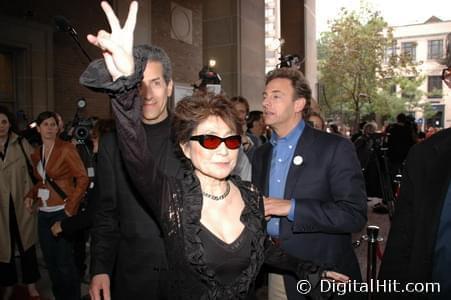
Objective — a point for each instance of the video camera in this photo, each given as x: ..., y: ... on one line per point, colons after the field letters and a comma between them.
x: 81, y: 126
x: 289, y: 61
x: 378, y: 141
x: 208, y: 76
x: 82, y: 129
x: 209, y: 80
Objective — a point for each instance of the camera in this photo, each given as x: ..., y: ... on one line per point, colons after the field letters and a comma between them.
x: 81, y: 126
x: 378, y: 140
x: 208, y: 76
x: 81, y: 129
x: 210, y: 81
x: 290, y: 61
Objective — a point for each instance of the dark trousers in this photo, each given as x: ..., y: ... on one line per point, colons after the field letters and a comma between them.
x: 28, y: 260
x: 80, y: 237
x: 79, y: 241
x: 59, y: 258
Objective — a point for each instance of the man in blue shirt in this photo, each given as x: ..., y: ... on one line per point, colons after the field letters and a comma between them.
x: 314, y: 188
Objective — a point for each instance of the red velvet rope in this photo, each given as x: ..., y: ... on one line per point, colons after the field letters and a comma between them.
x: 379, y: 253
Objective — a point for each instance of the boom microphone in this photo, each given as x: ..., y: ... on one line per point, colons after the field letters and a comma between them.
x: 63, y: 25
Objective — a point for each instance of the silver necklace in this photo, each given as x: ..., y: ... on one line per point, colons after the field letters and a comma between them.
x: 220, y: 197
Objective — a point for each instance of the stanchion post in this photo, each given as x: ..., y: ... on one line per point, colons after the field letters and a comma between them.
x: 372, y: 232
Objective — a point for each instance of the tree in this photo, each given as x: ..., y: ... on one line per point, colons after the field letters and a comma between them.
x: 359, y: 65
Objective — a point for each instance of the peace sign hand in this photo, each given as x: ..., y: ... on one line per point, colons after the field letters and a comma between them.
x: 117, y: 46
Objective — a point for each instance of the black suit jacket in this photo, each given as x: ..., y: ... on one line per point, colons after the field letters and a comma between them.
x: 329, y: 190
x: 410, y: 246
x: 126, y: 241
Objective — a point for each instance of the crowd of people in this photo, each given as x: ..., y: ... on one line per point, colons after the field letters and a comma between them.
x: 192, y: 203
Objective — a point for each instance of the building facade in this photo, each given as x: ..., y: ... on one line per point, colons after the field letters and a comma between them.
x: 426, y: 45
x: 40, y: 62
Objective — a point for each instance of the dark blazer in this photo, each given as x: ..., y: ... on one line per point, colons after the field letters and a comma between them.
x: 329, y: 190
x: 410, y: 246
x: 126, y: 241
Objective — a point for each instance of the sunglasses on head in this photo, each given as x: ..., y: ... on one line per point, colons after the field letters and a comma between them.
x: 211, y: 142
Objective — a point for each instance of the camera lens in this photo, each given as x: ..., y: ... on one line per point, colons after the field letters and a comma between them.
x: 81, y: 133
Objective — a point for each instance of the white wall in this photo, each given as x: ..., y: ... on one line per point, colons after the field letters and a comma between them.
x: 421, y: 34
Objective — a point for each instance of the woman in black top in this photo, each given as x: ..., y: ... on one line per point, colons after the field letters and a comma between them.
x: 213, y: 224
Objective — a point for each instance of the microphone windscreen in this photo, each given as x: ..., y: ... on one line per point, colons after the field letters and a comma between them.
x: 62, y: 24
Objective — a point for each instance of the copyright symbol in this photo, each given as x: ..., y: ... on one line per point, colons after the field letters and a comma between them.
x: 303, y: 287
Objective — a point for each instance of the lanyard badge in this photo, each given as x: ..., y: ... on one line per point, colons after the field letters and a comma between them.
x: 44, y: 161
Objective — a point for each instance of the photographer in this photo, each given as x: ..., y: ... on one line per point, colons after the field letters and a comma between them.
x: 87, y: 146
x: 81, y: 133
x: 401, y: 138
x: 367, y: 146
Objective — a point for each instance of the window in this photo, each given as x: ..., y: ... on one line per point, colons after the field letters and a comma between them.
x: 409, y: 49
x: 434, y: 86
x: 390, y: 52
x: 269, y: 27
x: 269, y: 12
x: 435, y: 49
x: 390, y: 86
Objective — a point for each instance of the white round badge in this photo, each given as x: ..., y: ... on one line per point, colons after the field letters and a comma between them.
x: 298, y: 160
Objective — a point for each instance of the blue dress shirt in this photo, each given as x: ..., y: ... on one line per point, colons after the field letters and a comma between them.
x: 282, y: 157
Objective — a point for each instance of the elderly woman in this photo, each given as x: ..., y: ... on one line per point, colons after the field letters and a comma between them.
x: 18, y: 226
x: 213, y: 224
x: 62, y: 182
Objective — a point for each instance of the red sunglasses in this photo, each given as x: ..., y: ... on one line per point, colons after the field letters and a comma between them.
x: 211, y: 142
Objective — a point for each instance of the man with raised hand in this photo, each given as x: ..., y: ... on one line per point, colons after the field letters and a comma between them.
x: 127, y: 251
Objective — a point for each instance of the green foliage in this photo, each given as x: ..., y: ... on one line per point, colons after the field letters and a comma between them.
x: 411, y: 95
x: 428, y: 111
x: 356, y: 77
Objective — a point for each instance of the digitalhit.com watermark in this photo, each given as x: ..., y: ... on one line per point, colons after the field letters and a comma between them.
x: 374, y: 286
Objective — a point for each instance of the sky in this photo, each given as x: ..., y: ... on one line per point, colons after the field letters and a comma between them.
x: 395, y: 12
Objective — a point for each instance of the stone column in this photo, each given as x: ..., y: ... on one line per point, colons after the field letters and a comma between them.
x: 298, y: 29
x: 233, y: 35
